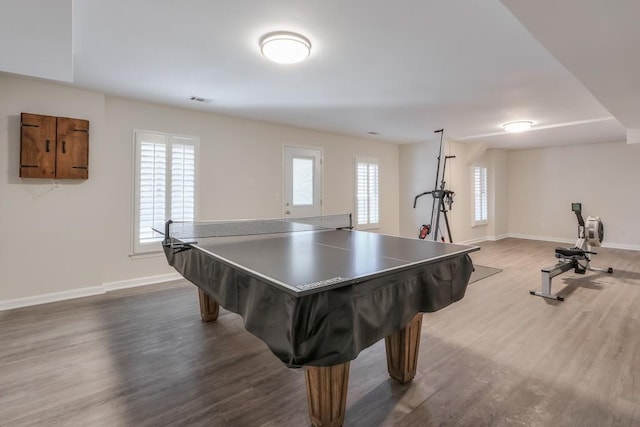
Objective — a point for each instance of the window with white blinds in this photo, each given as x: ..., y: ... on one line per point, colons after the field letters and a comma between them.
x: 480, y: 215
x: 165, y: 168
x: 367, y: 194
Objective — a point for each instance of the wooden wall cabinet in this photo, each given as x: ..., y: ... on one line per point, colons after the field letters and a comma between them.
x: 53, y: 147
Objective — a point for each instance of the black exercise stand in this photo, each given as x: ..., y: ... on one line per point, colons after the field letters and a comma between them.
x: 442, y: 200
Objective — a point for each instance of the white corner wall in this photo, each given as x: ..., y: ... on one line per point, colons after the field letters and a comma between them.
x: 418, y: 164
x: 542, y: 184
x: 77, y: 239
x: 498, y: 200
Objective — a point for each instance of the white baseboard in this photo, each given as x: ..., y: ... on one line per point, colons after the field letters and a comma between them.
x: 542, y: 238
x: 573, y: 241
x: 500, y: 237
x: 85, y: 292
x: 473, y: 241
x: 51, y: 297
x: 562, y: 240
x: 621, y: 246
x: 161, y: 278
x: 141, y: 281
x: 484, y: 239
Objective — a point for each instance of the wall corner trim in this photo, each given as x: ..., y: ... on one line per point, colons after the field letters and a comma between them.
x: 623, y: 246
x: 141, y: 281
x: 50, y: 297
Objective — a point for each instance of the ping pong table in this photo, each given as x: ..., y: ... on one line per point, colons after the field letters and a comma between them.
x: 318, y: 292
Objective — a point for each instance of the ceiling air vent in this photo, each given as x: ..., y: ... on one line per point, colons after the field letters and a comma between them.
x: 201, y: 99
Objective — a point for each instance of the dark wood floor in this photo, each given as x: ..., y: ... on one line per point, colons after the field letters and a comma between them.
x: 498, y: 357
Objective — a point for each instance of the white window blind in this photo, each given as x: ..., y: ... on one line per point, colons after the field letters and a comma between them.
x: 367, y: 195
x: 165, y: 168
x: 183, y: 169
x: 152, y: 199
x: 480, y: 215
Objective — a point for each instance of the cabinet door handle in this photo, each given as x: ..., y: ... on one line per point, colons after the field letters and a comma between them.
x: 64, y: 147
x: 47, y: 147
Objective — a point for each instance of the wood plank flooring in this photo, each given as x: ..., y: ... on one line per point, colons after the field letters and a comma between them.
x: 499, y: 357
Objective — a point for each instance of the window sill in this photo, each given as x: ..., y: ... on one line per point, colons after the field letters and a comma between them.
x: 483, y: 224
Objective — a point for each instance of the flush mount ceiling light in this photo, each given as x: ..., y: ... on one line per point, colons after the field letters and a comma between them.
x: 519, y: 126
x: 285, y: 47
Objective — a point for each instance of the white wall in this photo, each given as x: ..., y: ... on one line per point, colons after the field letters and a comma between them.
x: 79, y: 235
x: 605, y: 178
x: 417, y: 174
x: 50, y: 240
x: 530, y: 191
x: 36, y: 38
x: 498, y: 193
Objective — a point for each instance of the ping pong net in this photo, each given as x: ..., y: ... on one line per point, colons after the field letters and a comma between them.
x: 190, y: 230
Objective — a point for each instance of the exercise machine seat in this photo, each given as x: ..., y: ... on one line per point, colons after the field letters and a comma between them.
x: 574, y: 253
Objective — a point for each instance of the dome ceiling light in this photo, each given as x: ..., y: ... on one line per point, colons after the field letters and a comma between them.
x: 285, y: 47
x: 519, y: 126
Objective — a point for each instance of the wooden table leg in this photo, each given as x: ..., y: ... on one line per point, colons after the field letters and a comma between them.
x: 402, y: 350
x: 208, y: 307
x: 327, y: 394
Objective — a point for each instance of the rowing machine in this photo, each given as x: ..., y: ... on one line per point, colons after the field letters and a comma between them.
x: 578, y: 258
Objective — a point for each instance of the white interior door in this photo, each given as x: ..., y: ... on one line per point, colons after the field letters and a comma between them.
x: 302, y: 182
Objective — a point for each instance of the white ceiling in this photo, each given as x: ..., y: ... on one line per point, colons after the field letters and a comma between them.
x: 44, y: 53
x: 402, y: 69
x: 598, y: 41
